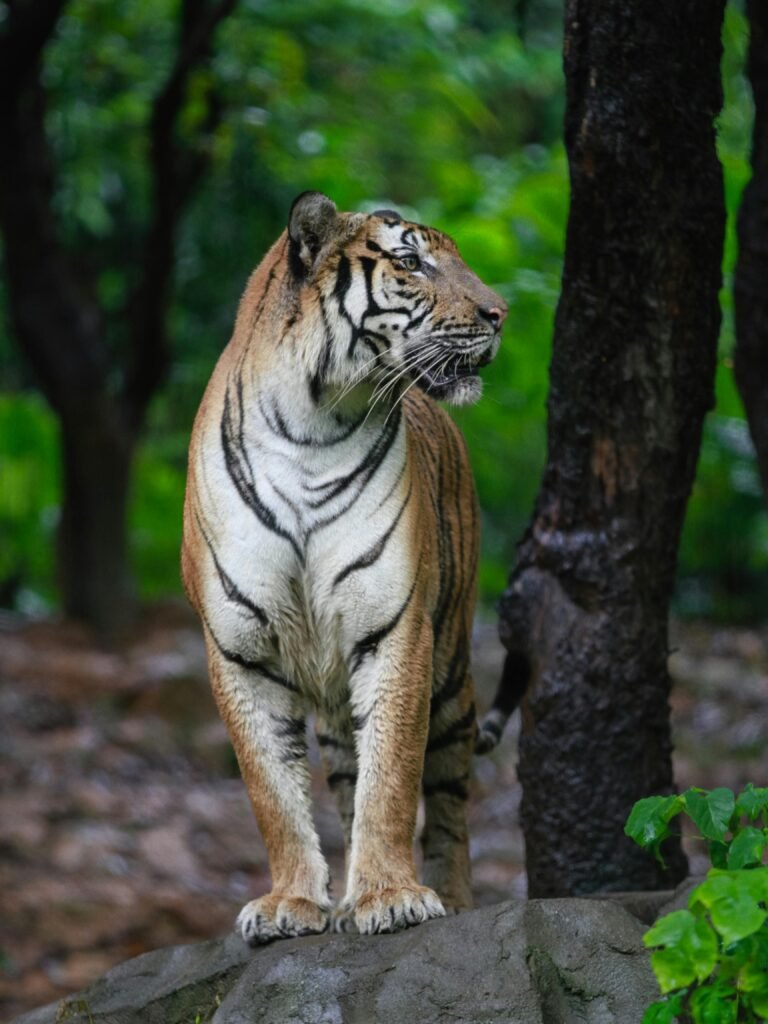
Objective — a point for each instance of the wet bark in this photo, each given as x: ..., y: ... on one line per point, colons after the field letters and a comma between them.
x: 101, y: 404
x: 631, y: 378
x: 750, y: 292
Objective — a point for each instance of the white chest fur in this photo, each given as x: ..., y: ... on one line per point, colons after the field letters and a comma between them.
x: 304, y: 528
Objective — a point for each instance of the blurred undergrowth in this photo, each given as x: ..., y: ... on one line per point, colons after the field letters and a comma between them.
x: 450, y: 112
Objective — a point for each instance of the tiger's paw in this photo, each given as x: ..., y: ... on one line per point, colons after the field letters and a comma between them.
x: 343, y: 920
x: 389, y: 910
x: 277, y: 916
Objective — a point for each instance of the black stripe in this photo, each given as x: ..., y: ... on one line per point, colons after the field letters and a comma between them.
x: 241, y: 473
x: 366, y: 467
x: 368, y: 265
x: 449, y: 787
x: 231, y: 589
x: 324, y: 740
x: 343, y: 280
x: 417, y: 321
x: 454, y: 679
x: 262, y: 298
x: 374, y: 553
x: 335, y: 778
x: 370, y: 643
x: 360, y: 721
x: 455, y: 836
x: 293, y: 732
x: 289, y: 726
x: 459, y: 731
x: 494, y: 728
x: 249, y: 663
x: 281, y: 428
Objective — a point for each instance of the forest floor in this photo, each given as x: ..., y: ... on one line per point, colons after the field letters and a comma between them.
x: 124, y: 825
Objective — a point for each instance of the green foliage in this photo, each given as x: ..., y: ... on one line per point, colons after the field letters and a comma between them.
x: 450, y: 111
x: 711, y: 960
x: 29, y: 496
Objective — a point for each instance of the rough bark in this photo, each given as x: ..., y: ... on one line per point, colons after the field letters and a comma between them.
x: 631, y: 379
x: 61, y: 329
x: 750, y: 292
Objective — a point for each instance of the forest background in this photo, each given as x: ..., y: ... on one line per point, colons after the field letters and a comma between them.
x: 450, y: 112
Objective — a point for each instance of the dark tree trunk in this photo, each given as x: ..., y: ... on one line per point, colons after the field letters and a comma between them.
x: 93, y: 559
x: 750, y: 291
x: 101, y: 407
x: 631, y: 379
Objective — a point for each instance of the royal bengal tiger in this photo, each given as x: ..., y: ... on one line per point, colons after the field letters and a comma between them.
x: 330, y: 548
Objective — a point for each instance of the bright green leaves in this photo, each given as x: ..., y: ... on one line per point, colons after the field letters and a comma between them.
x: 711, y: 961
x: 689, y: 950
x: 733, y: 900
x: 648, y: 823
x: 747, y: 849
x: 712, y: 812
x: 717, y: 814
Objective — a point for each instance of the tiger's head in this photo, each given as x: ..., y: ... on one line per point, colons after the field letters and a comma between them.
x: 397, y: 304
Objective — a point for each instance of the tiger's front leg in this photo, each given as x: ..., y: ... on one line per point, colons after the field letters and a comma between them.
x: 390, y: 693
x: 266, y: 722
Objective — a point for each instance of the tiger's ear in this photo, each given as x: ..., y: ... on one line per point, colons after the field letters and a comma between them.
x: 312, y: 223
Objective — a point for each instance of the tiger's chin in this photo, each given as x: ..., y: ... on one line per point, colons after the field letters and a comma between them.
x: 458, y: 391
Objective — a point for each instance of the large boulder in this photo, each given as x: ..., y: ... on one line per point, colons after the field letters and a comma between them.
x: 541, y: 962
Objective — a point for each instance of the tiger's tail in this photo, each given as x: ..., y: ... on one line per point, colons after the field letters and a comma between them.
x: 514, y: 681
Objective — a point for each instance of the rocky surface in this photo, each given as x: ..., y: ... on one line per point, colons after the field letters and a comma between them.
x: 124, y: 826
x: 541, y: 962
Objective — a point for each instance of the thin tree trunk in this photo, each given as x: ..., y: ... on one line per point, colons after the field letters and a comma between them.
x: 750, y: 292
x: 631, y: 378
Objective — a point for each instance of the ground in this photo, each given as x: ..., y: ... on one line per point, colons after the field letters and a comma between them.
x: 124, y: 825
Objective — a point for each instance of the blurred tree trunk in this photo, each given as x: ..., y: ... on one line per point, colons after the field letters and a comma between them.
x: 750, y: 290
x: 101, y: 402
x: 630, y: 381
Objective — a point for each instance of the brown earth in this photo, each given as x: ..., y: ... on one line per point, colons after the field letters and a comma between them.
x: 124, y: 826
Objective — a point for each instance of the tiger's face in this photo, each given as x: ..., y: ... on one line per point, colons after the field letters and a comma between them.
x: 401, y: 306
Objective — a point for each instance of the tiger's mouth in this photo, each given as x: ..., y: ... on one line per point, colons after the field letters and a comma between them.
x: 457, y: 373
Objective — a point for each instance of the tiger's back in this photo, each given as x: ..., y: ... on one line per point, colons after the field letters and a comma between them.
x: 330, y: 547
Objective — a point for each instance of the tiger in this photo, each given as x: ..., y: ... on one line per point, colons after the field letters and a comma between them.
x: 330, y: 548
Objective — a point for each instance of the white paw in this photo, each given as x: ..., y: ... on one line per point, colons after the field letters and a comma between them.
x: 389, y: 910
x: 280, y: 917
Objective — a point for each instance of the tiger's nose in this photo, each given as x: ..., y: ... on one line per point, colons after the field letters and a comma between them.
x: 493, y: 314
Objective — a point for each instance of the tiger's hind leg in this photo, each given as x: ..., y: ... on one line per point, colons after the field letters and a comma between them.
x: 447, y: 763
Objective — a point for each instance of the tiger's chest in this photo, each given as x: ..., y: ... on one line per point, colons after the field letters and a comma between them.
x: 307, y: 548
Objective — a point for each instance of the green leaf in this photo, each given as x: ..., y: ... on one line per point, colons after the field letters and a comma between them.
x: 718, y: 853
x: 665, y: 1011
x: 732, y: 901
x: 647, y: 824
x: 714, y: 1004
x: 752, y: 802
x: 710, y: 811
x: 690, y: 949
x: 747, y: 848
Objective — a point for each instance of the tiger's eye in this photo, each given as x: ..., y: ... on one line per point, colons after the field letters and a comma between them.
x: 411, y: 262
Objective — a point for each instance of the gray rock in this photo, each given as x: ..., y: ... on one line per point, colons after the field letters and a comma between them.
x: 541, y: 962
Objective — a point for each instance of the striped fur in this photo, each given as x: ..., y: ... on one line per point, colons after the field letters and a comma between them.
x: 330, y: 548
